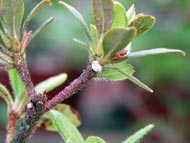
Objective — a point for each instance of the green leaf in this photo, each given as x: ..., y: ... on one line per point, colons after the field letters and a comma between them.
x: 66, y: 129
x: 94, y: 35
x: 14, y: 10
x: 131, y: 14
x: 143, y: 23
x: 64, y: 109
x: 120, y: 19
x: 121, y: 71
x: 5, y: 58
x: 34, y: 11
x: 51, y: 83
x: 6, y: 41
x: 79, y: 18
x: 93, y: 139
x: 135, y: 138
x: 121, y: 36
x: 5, y: 94
x: 154, y: 52
x: 136, y: 81
x: 103, y: 14
x: 115, y: 75
x: 41, y: 28
x: 17, y: 84
x: 80, y: 42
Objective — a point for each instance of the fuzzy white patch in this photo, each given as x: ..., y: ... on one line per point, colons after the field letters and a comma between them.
x: 97, y: 67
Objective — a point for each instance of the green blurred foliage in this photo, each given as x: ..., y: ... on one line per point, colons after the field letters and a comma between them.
x: 171, y: 31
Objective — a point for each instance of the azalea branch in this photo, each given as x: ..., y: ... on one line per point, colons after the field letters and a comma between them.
x: 74, y: 87
x: 22, y: 69
x: 36, y: 109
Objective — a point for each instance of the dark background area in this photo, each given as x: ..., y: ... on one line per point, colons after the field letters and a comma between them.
x: 114, y: 110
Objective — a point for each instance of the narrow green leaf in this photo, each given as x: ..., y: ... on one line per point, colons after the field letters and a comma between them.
x: 121, y: 71
x: 80, y: 42
x: 103, y: 14
x: 66, y: 129
x: 154, y: 52
x: 136, y: 137
x: 122, y: 37
x: 94, y: 32
x: 131, y: 14
x: 143, y: 23
x: 34, y: 11
x: 20, y: 103
x: 5, y: 58
x: 51, y: 83
x: 41, y: 28
x: 20, y: 95
x: 137, y: 82
x: 5, y: 94
x: 14, y: 10
x: 6, y: 41
x: 5, y: 50
x: 120, y: 18
x: 16, y: 83
x: 66, y: 110
x: 93, y: 139
x: 79, y: 18
x: 115, y: 75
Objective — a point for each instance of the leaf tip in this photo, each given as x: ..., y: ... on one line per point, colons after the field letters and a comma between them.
x: 61, y: 2
x: 150, y: 126
x: 182, y: 53
x: 48, y: 1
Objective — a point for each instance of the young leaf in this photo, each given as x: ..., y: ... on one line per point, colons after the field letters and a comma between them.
x: 79, y: 18
x: 120, y: 19
x: 5, y: 58
x: 117, y: 39
x: 41, y: 28
x: 136, y: 137
x: 35, y: 10
x: 136, y: 81
x: 94, y: 35
x: 114, y: 75
x: 6, y: 41
x: 17, y: 84
x: 14, y: 10
x: 154, y: 52
x: 64, y: 109
x: 80, y: 42
x: 103, y: 14
x: 66, y: 129
x: 121, y: 71
x: 5, y: 94
x: 21, y: 103
x: 143, y: 23
x: 93, y: 139
x: 131, y: 13
x: 51, y: 83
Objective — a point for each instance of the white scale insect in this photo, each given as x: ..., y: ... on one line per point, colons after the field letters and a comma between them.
x: 96, y: 66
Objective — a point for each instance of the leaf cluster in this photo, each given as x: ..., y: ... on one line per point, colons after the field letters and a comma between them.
x: 109, y: 44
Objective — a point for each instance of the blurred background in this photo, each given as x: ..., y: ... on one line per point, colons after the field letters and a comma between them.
x: 114, y: 110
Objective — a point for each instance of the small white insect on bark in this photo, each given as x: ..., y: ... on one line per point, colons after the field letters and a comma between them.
x: 97, y: 67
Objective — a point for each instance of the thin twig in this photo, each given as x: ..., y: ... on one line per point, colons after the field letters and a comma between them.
x: 22, y: 69
x: 74, y: 87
